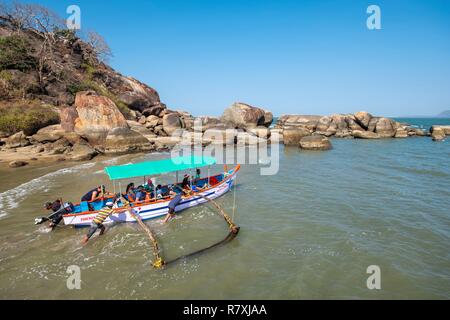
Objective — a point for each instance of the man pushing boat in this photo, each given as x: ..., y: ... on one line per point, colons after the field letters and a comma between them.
x: 177, y: 197
x: 97, y: 222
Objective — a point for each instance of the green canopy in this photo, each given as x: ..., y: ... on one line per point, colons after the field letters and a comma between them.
x: 151, y: 168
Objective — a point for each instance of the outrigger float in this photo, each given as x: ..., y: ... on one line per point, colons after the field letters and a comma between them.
x: 209, y: 188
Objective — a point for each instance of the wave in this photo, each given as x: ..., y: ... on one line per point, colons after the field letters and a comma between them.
x: 11, y: 199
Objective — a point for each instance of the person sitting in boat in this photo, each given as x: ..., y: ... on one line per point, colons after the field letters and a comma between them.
x: 158, y: 191
x: 186, y: 184
x: 197, y: 177
x: 149, y: 186
x: 129, y: 194
x: 177, y: 197
x: 140, y: 194
x: 97, y: 222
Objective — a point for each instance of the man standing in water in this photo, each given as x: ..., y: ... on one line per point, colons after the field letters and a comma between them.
x: 97, y: 223
x: 173, y: 203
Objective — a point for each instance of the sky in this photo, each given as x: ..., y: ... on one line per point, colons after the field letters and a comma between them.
x: 291, y: 57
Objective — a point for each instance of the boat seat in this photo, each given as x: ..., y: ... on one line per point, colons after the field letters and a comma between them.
x: 84, y: 206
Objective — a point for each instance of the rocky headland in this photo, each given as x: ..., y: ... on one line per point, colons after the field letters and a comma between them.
x: 59, y: 100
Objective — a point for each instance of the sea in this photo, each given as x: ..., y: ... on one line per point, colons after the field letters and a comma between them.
x: 369, y: 219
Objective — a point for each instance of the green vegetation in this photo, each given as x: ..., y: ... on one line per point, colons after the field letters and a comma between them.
x: 15, y: 53
x: 28, y: 119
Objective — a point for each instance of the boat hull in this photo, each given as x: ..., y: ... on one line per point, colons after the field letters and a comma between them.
x: 154, y: 210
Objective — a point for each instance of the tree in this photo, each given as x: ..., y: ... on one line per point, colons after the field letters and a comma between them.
x: 101, y: 49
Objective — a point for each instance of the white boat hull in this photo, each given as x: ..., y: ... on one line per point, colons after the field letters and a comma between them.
x: 153, y: 210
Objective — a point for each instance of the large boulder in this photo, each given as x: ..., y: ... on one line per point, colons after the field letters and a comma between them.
x: 323, y: 124
x: 49, y: 134
x: 152, y: 121
x: 82, y: 152
x: 309, y: 122
x: 385, y: 128
x: 172, y: 122
x: 97, y: 115
x: 365, y: 134
x: 292, y: 136
x: 156, y: 110
x: 137, y: 95
x: 363, y: 119
x: 139, y: 128
x: 437, y: 133
x: 445, y: 129
x: 260, y: 131
x: 122, y: 140
x: 242, y: 115
x: 17, y: 140
x: 68, y: 116
x: 316, y: 142
x: 401, y: 133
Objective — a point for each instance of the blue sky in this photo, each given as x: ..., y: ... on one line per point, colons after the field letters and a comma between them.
x: 303, y: 57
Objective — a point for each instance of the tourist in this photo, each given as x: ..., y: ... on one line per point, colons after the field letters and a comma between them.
x: 186, y: 184
x: 97, y: 223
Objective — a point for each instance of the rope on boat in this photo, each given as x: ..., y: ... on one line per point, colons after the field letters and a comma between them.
x: 159, y: 262
x: 234, y: 230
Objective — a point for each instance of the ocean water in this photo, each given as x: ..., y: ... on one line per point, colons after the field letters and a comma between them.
x: 308, y: 232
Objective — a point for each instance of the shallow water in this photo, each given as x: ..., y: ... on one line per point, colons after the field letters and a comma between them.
x: 310, y: 231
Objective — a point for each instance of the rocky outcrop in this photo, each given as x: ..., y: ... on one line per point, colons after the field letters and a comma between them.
x: 123, y: 140
x: 385, y: 128
x: 171, y: 122
x: 363, y: 119
x: 437, y: 133
x: 316, y: 142
x: 82, y: 152
x: 97, y: 115
x: 365, y: 135
x: 401, y: 133
x: 17, y: 140
x: 241, y: 115
x: 49, y: 134
x: 292, y: 136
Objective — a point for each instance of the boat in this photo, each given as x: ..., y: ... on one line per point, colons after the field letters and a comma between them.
x: 211, y: 187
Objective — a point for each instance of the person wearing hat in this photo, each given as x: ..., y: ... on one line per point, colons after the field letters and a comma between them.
x: 97, y: 222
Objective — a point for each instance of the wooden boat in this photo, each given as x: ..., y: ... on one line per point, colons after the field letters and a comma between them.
x: 211, y: 187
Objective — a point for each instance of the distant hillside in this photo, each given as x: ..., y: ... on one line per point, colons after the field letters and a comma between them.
x: 444, y: 114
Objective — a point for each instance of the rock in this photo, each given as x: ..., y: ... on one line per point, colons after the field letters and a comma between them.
x: 246, y: 138
x: 268, y: 118
x: 142, y: 120
x: 49, y: 134
x: 58, y: 147
x: 353, y: 123
x: 4, y: 134
x: 39, y: 149
x: 323, y: 124
x: 365, y: 135
x: 165, y: 142
x: 340, y: 122
x: 309, y: 122
x: 137, y: 95
x: 220, y: 136
x: 122, y: 140
x: 152, y: 121
x: 343, y: 134
x: 363, y: 119
x: 172, y: 122
x: 315, y: 143
x: 97, y: 115
x: 385, y: 128
x: 241, y: 115
x: 17, y: 163
x: 401, y: 133
x: 292, y: 136
x: 209, y: 122
x: 139, y: 128
x: 437, y: 133
x: 261, y: 132
x: 446, y: 129
x: 17, y: 140
x: 156, y: 110
x: 372, y: 124
x: 82, y: 152
x: 68, y: 116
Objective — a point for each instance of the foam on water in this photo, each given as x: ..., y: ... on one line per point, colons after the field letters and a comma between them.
x: 11, y: 199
